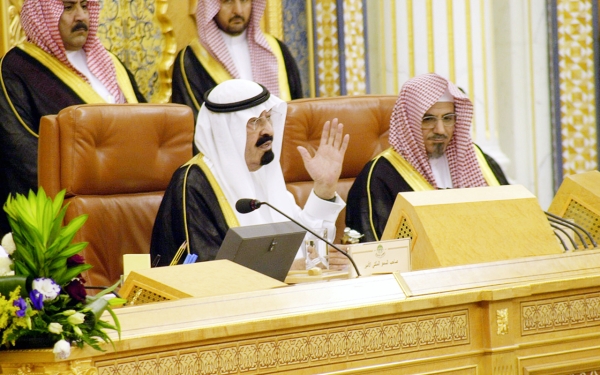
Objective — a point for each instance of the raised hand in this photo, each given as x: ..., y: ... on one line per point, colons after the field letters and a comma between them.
x: 325, y: 166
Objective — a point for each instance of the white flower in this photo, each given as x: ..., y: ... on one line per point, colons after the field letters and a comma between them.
x: 47, y: 287
x: 62, y: 349
x: 8, y: 243
x: 55, y: 328
x: 76, y: 318
x: 69, y: 312
x: 5, y: 263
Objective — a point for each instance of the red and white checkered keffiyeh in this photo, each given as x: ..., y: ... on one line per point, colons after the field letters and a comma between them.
x: 406, y: 137
x: 264, y: 62
x: 40, y: 19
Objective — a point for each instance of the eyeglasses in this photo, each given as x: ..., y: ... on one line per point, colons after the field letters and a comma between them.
x: 430, y: 122
x: 261, y: 121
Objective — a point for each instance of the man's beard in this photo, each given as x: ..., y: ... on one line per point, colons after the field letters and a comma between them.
x: 236, y: 29
x: 438, y: 148
x: 438, y: 151
x: 269, y: 155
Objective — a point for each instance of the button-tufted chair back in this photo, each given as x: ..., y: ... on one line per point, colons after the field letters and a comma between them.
x: 115, y: 161
x: 366, y: 118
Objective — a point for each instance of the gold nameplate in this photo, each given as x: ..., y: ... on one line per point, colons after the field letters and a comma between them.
x: 380, y: 257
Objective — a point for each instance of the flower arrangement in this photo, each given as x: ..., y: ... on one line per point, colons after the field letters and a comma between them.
x: 42, y: 293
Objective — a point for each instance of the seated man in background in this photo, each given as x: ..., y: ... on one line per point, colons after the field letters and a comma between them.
x: 62, y: 63
x: 232, y: 45
x: 430, y: 135
x: 239, y: 134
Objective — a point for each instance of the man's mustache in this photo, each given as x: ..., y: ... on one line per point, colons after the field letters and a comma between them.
x: 80, y: 26
x: 262, y: 140
x: 437, y: 137
x: 237, y: 18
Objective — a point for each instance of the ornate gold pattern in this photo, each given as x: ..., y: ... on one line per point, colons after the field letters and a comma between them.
x: 584, y: 217
x: 15, y: 31
x: 131, y: 30
x: 502, y: 321
x: 273, y: 19
x: 83, y: 367
x: 141, y: 296
x: 354, y: 45
x: 305, y: 349
x: 328, y: 67
x: 576, y: 85
x: 163, y: 95
x: 560, y: 314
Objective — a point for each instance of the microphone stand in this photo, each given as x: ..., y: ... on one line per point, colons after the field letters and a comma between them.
x: 316, y: 235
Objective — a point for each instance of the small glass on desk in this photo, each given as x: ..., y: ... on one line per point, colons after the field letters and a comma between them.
x: 315, y: 250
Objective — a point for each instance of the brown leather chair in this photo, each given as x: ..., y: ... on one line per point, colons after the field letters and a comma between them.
x: 366, y: 118
x: 115, y: 161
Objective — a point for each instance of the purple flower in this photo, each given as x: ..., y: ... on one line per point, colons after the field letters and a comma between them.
x: 75, y: 260
x: 37, y: 299
x: 22, y: 305
x: 76, y: 290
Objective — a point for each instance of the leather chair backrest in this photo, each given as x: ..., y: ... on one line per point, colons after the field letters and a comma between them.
x: 115, y: 162
x: 366, y: 118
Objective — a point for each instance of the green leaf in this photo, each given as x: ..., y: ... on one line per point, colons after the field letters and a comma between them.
x: 115, y: 319
x: 24, y: 259
x: 74, y: 225
x: 22, y: 270
x: 56, y: 228
x: 72, y: 250
x: 57, y: 204
x: 110, y: 289
x: 96, y: 308
x: 59, y: 264
x: 45, y: 220
x: 25, y: 211
x: 71, y: 273
x: 66, y: 235
x: 10, y: 283
x: 117, y: 301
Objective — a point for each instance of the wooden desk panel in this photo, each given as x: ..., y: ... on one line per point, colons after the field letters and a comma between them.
x: 359, y: 326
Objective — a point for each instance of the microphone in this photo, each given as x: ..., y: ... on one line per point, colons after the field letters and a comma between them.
x: 247, y: 205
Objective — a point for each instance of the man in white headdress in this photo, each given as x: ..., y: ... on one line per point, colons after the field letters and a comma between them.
x: 239, y: 135
x: 62, y: 63
x: 430, y: 135
x: 230, y: 45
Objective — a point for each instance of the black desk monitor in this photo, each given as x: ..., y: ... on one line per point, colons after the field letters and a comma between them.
x: 266, y: 248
